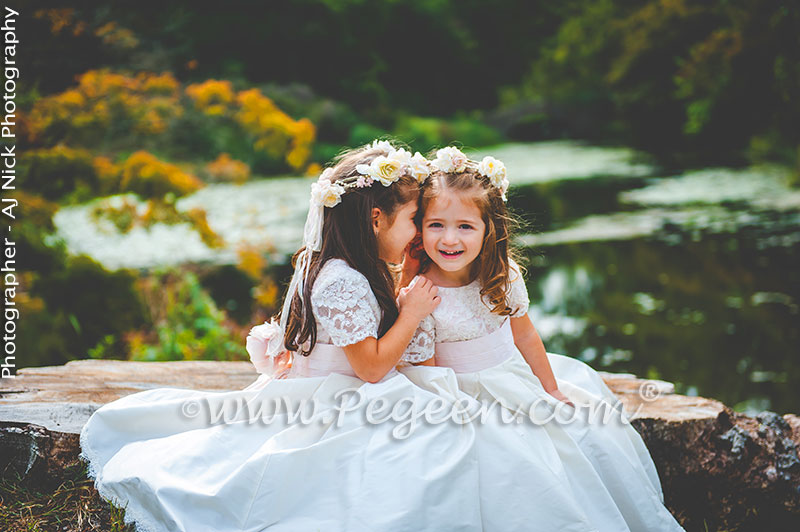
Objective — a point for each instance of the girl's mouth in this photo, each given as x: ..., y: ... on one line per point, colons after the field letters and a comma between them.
x: 450, y: 254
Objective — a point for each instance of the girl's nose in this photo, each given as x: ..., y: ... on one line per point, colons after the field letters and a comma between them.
x: 449, y: 237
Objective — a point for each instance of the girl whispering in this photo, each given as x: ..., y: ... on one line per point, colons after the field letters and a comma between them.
x: 601, y: 472
x: 340, y: 335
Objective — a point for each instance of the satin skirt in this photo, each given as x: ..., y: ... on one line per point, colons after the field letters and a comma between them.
x: 182, y: 460
x: 589, y: 455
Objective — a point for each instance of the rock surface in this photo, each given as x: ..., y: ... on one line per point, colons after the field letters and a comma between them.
x: 720, y: 470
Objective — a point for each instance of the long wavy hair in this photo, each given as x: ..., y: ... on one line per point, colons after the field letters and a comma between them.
x: 492, y: 264
x: 347, y: 234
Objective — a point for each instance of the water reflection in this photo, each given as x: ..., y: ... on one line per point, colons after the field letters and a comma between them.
x: 717, y: 314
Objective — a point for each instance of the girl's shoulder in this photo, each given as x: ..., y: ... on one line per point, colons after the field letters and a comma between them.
x: 336, y: 276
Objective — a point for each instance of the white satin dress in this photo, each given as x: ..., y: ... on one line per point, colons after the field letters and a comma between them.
x: 177, y: 465
x: 601, y: 472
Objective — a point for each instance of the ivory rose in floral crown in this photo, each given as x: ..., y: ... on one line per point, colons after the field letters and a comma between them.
x: 452, y: 160
x: 384, y: 168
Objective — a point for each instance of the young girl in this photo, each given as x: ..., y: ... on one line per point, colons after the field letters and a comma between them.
x: 482, y: 330
x: 164, y: 455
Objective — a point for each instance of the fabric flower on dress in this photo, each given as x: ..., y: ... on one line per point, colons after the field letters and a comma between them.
x: 263, y: 340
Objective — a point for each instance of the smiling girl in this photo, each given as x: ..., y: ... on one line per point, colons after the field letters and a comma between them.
x: 576, y: 474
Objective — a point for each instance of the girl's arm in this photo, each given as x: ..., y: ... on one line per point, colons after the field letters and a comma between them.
x: 527, y: 340
x: 430, y: 362
x: 373, y: 358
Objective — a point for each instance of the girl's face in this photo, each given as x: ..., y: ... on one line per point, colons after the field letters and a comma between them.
x: 394, y: 237
x: 452, y: 234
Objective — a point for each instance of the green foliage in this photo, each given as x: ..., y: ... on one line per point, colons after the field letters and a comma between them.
x: 365, y: 133
x: 59, y: 173
x: 69, y: 303
x: 192, y: 327
x: 689, y: 80
x: 423, y: 134
x: 83, y: 304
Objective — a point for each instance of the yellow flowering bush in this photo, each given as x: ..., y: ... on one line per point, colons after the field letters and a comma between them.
x: 59, y: 172
x: 212, y: 97
x: 226, y: 169
x: 108, y: 175
x: 105, y: 102
x: 274, y: 131
x: 116, y: 36
x: 61, y: 19
x: 149, y: 177
x: 110, y: 110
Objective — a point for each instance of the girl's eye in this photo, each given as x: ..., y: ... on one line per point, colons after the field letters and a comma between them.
x: 434, y: 224
x: 465, y: 226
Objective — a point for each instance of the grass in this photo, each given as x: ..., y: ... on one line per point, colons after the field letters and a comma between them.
x: 66, y: 503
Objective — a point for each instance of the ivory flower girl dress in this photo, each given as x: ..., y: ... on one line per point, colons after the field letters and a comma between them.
x: 160, y: 454
x: 603, y: 470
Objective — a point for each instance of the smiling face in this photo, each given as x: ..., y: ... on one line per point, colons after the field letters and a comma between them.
x: 394, y: 235
x: 452, y: 235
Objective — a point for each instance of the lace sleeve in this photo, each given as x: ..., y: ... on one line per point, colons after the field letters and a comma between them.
x: 518, y: 294
x: 344, y: 305
x: 421, y: 347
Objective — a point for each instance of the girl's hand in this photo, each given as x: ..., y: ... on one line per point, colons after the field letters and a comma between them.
x: 561, y: 397
x: 419, y: 299
x: 411, y: 260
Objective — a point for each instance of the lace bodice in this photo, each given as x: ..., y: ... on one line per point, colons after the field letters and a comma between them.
x: 462, y: 315
x: 347, y: 311
x: 344, y: 306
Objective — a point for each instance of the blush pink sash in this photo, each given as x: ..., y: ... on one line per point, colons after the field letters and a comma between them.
x: 476, y: 355
x: 323, y: 360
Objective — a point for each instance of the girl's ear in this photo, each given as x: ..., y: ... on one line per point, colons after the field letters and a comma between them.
x: 376, y: 219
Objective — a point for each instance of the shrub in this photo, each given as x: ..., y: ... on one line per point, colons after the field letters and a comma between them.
x: 145, y: 175
x: 59, y: 173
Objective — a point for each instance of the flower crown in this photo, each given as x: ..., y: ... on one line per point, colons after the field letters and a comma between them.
x: 452, y: 160
x: 384, y: 168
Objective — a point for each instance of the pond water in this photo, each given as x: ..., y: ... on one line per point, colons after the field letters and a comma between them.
x: 692, y: 278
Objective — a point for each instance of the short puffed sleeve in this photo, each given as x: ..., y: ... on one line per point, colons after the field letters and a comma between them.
x: 344, y: 305
x: 518, y: 293
x: 423, y: 344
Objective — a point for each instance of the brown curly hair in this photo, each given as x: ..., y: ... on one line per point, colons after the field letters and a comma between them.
x: 492, y: 265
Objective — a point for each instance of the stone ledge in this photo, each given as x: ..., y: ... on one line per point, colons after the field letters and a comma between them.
x: 719, y: 469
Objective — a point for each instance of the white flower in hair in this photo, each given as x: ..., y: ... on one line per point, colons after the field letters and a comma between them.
x: 493, y: 169
x: 450, y: 159
x: 382, y: 144
x: 419, y: 167
x: 384, y: 169
x: 325, y: 193
x: 401, y: 156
